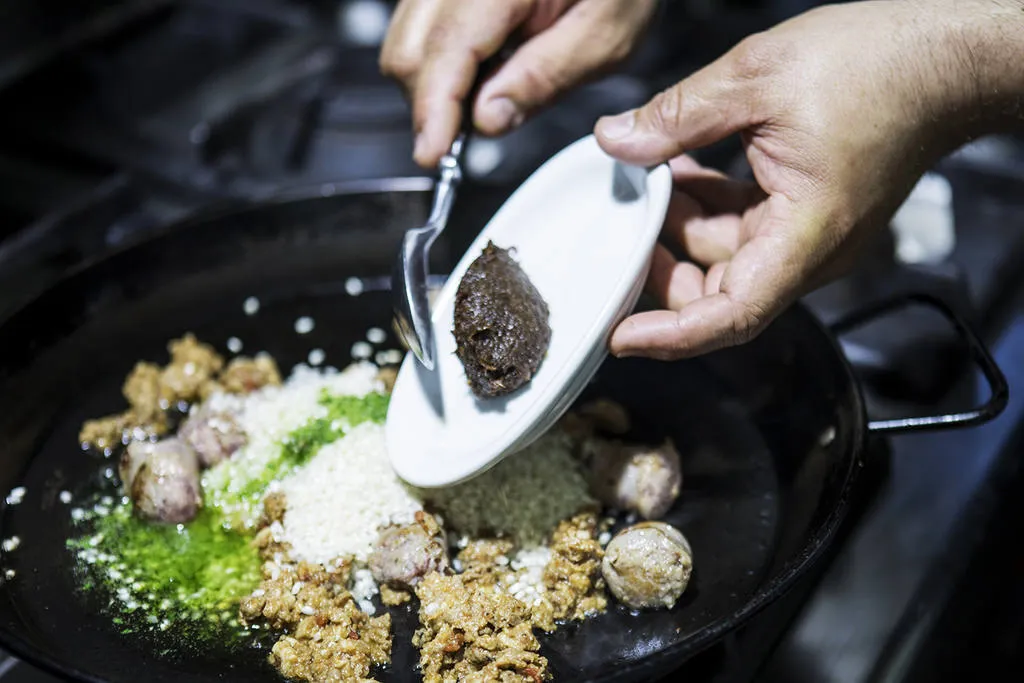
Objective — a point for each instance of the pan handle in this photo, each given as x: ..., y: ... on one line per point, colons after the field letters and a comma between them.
x: 993, y: 375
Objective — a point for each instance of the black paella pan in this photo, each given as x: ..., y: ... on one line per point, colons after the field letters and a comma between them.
x: 771, y: 433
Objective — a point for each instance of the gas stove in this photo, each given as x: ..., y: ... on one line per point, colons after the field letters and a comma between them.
x: 126, y: 115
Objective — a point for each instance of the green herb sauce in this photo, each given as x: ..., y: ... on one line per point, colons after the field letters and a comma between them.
x: 343, y: 412
x: 190, y: 577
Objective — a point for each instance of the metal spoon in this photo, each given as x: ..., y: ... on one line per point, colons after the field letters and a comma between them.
x: 409, y: 280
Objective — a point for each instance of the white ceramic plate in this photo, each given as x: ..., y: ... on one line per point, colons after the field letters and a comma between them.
x: 583, y: 228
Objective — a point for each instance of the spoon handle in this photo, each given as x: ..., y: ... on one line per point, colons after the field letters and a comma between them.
x: 450, y: 168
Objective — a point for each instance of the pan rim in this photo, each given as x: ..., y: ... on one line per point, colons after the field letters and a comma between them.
x: 675, y: 654
x: 215, y: 211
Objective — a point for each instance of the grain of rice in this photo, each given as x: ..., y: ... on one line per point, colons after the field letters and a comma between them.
x: 354, y: 286
x: 16, y: 495
x: 251, y: 305
x: 361, y: 350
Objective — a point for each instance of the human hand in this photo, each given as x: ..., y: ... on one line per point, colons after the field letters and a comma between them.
x: 840, y: 111
x: 434, y: 47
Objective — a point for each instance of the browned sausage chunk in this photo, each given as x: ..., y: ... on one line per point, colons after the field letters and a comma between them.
x: 642, y: 479
x: 648, y: 565
x: 214, y: 435
x: 162, y: 480
x: 405, y: 554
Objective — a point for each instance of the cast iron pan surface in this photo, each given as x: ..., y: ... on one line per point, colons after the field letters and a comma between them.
x: 769, y: 433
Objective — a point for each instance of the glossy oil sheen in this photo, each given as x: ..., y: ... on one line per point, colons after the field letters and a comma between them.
x: 761, y: 494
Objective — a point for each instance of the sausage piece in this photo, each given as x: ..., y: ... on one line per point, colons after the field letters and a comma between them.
x: 648, y: 565
x: 214, y: 435
x: 403, y: 555
x: 162, y: 480
x: 642, y: 479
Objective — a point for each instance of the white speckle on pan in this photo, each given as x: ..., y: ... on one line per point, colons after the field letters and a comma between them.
x: 65, y: 497
x: 389, y: 357
x: 361, y: 350
x: 11, y: 543
x: 316, y: 357
x: 375, y: 335
x: 9, y: 574
x: 234, y: 344
x: 108, y: 473
x: 16, y: 495
x: 251, y: 306
x: 354, y: 286
x: 827, y: 437
x: 304, y: 325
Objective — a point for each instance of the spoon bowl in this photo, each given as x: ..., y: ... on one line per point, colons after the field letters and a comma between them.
x: 410, y: 302
x: 582, y: 228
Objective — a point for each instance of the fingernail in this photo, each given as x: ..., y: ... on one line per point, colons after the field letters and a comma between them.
x: 503, y: 113
x: 617, y: 127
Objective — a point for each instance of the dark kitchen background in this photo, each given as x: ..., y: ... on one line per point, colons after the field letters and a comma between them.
x: 120, y: 116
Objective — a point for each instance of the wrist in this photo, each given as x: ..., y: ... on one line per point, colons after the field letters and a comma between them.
x: 973, y: 54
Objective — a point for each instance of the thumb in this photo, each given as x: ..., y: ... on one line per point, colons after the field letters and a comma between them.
x: 702, y: 109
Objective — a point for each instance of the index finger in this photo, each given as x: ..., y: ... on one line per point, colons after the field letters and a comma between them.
x: 457, y: 43
x: 401, y: 54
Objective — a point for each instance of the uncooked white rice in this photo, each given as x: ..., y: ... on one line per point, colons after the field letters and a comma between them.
x: 339, y: 500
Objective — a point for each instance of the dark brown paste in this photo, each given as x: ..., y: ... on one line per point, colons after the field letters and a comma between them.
x: 501, y: 324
